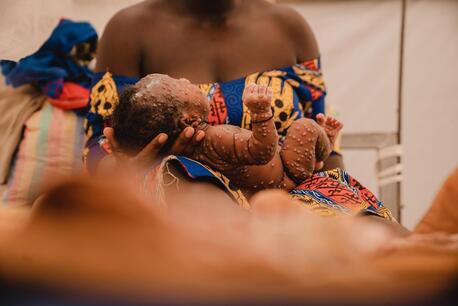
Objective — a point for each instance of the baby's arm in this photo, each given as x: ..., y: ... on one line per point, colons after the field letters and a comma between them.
x: 227, y: 146
x: 260, y: 147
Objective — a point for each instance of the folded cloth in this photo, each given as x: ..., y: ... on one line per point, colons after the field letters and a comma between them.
x: 73, y: 96
x: 62, y: 61
x: 50, y: 150
x: 16, y: 106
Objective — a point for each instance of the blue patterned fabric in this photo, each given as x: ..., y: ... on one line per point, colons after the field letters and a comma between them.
x: 63, y: 57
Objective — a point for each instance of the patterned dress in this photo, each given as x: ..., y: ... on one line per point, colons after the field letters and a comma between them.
x: 298, y: 92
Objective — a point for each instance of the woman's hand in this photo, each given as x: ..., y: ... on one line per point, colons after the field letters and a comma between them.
x: 186, y: 143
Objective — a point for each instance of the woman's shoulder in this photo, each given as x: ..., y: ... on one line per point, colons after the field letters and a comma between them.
x: 295, y: 27
x: 132, y: 15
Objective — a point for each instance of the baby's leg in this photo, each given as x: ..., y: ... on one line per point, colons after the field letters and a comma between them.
x: 306, y: 145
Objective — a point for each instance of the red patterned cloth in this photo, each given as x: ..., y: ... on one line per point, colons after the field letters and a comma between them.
x: 335, y: 192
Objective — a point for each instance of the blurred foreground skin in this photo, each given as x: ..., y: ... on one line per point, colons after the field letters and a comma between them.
x: 443, y: 214
x: 99, y: 238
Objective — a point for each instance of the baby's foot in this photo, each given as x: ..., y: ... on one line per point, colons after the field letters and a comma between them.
x: 331, y: 126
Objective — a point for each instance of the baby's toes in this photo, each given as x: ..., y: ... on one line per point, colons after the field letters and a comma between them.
x: 333, y: 122
x: 329, y: 121
x: 337, y: 124
x: 320, y: 119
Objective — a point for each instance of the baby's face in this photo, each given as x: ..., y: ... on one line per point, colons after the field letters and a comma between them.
x: 195, y: 104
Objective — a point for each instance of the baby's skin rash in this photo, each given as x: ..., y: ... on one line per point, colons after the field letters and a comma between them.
x: 252, y: 160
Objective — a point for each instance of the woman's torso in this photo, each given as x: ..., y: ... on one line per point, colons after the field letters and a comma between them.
x: 206, y: 53
x: 256, y: 36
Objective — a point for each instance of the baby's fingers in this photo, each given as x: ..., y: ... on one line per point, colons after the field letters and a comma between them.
x: 269, y: 92
x: 249, y: 90
x: 262, y: 91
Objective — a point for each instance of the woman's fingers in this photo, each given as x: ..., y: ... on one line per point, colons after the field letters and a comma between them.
x: 150, y: 153
x: 188, y: 142
x: 198, y: 137
x: 183, y: 142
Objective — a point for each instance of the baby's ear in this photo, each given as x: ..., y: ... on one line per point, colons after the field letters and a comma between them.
x: 185, y: 121
x: 108, y: 132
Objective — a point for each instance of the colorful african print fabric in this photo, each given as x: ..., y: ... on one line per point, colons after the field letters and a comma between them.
x: 328, y: 194
x: 335, y: 192
x: 298, y: 91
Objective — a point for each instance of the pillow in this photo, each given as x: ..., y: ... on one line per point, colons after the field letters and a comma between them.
x: 51, y: 148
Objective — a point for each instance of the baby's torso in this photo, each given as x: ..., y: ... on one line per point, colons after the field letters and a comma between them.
x: 217, y: 150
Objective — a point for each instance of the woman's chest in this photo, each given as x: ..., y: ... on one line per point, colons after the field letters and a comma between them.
x: 211, y: 57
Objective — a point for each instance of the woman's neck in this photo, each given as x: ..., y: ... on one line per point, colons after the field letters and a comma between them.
x: 212, y: 10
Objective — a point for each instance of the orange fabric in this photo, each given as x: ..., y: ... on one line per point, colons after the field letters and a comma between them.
x: 73, y: 96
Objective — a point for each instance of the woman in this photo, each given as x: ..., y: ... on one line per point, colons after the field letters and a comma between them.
x: 221, y: 45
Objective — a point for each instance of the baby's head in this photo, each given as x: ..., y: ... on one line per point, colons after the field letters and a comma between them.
x: 157, y: 104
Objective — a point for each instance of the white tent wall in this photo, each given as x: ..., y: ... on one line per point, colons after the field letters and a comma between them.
x: 430, y: 102
x: 359, y: 41
x: 26, y: 24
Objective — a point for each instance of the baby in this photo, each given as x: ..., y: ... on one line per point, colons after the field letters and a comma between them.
x: 252, y: 160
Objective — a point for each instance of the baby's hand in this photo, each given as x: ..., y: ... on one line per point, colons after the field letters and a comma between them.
x: 257, y: 98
